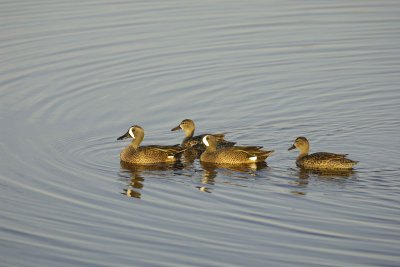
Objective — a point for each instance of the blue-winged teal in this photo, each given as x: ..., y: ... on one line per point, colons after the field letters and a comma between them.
x: 188, y: 127
x: 135, y: 154
x: 320, y: 160
x: 233, y: 154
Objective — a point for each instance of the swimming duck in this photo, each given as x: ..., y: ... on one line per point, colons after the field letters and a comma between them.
x: 320, y: 160
x: 233, y: 154
x: 135, y: 154
x: 188, y: 127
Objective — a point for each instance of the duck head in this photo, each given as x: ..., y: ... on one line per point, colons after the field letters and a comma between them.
x: 210, y: 142
x: 131, y: 132
x: 302, y: 144
x: 136, y: 133
x: 187, y: 126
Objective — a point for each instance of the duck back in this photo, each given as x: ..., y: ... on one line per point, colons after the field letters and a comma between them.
x: 325, y: 160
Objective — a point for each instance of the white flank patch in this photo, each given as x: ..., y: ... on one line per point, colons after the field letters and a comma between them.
x: 170, y: 157
x: 131, y: 132
x: 205, y: 141
x: 253, y: 158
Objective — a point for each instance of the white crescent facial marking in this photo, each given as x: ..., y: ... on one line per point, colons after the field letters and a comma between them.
x: 205, y: 141
x: 253, y: 158
x: 131, y: 132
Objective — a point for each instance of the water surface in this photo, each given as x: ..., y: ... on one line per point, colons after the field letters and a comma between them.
x: 75, y: 75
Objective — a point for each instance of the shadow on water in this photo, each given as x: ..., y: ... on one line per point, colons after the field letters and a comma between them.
x: 306, y: 176
x: 136, y: 180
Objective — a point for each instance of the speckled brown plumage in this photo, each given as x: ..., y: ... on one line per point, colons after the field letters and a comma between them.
x: 232, y: 155
x: 136, y: 154
x: 320, y: 160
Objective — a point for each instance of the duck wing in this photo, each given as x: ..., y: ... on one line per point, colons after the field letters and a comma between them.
x: 248, y: 148
x: 253, y: 150
x: 197, y: 140
x: 170, y: 150
x: 328, y: 156
x: 328, y: 160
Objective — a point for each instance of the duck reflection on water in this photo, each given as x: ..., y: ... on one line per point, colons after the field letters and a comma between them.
x: 307, y: 177
x: 325, y: 174
x: 245, y: 168
x: 135, y: 184
x: 210, y: 171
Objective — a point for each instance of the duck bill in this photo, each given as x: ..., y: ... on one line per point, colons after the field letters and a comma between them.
x: 291, y: 148
x: 126, y: 135
x: 176, y: 128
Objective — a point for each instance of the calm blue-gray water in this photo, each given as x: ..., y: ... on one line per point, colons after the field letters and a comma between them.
x: 74, y: 75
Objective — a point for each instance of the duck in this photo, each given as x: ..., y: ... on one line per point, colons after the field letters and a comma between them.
x: 320, y: 160
x: 190, y: 141
x: 232, y: 154
x: 152, y: 154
